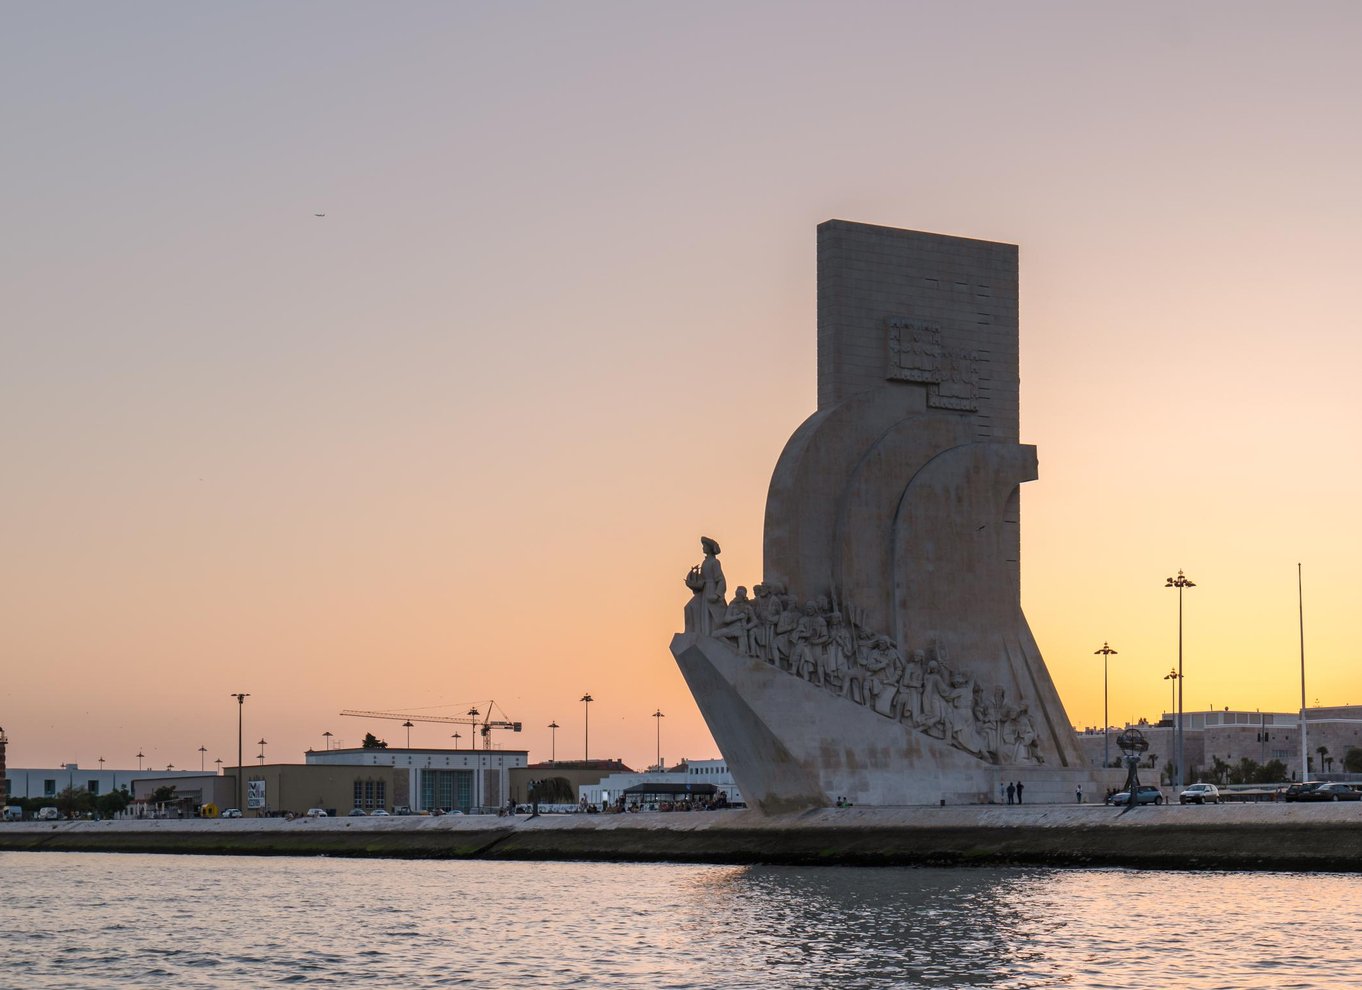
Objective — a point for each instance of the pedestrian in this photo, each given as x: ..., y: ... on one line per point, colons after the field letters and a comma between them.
x: 1078, y: 793
x: 1020, y: 785
x: 1011, y: 792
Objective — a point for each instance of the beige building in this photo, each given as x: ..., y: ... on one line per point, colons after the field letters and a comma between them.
x: 578, y: 774
x: 278, y: 788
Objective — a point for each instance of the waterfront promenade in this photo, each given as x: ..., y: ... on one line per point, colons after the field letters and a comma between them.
x: 1240, y: 837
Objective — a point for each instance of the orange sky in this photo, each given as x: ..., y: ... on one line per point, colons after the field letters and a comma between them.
x: 457, y: 439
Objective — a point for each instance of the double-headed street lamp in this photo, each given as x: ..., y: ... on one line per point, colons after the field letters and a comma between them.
x: 658, y: 717
x: 240, y: 772
x: 586, y: 736
x: 1106, y: 653
x: 1181, y: 583
x: 262, y: 751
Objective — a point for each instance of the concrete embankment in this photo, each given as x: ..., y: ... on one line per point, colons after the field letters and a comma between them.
x: 1230, y: 837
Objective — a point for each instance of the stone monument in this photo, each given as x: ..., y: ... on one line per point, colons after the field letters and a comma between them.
x: 883, y: 658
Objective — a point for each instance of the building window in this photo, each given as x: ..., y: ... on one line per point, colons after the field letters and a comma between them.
x: 49, y: 788
x: 359, y: 794
x: 382, y: 794
x: 92, y: 786
x: 368, y: 794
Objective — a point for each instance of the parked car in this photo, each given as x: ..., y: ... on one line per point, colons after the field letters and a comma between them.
x: 1296, y: 792
x: 47, y: 815
x: 1146, y: 794
x: 1200, y: 794
x: 1330, y: 792
x: 379, y: 813
x: 356, y: 813
x: 231, y: 813
x: 316, y: 813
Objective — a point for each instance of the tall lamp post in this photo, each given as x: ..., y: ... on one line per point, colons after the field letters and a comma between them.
x: 218, y: 761
x: 1106, y: 653
x: 658, y: 717
x: 407, y: 725
x: 240, y: 770
x: 456, y: 737
x: 101, y: 764
x: 586, y: 700
x: 203, y: 750
x: 553, y: 741
x: 262, y: 751
x: 326, y: 736
x: 1181, y: 583
x: 140, y: 755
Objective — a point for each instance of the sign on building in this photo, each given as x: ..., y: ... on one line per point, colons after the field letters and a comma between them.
x: 255, y: 794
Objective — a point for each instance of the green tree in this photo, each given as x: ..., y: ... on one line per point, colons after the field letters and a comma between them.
x: 1271, y: 772
x: 163, y: 794
x: 1244, y: 771
x: 1219, y: 771
x: 372, y: 741
x: 1323, y: 751
x: 75, y: 801
x: 1352, y: 759
x: 110, y: 804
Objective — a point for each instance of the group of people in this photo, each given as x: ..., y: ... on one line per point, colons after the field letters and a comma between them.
x: 823, y: 644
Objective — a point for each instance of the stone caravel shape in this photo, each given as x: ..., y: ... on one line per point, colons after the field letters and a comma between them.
x: 885, y: 658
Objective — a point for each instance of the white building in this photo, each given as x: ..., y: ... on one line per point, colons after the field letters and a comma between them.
x: 462, y: 779
x: 49, y: 782
x: 688, y: 775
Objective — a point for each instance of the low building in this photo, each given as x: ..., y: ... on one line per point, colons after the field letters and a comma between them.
x: 1229, y: 736
x: 700, y: 779
x: 49, y: 782
x: 449, y: 779
x: 281, y: 788
x: 577, y: 774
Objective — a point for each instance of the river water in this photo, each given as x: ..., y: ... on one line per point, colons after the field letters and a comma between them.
x: 85, y: 920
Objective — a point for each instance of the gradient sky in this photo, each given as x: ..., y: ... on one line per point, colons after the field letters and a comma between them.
x: 456, y: 440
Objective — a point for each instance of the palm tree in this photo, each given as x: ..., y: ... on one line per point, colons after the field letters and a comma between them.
x: 1323, y: 751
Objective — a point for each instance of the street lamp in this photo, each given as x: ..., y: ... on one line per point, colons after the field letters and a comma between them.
x: 139, y: 761
x: 1180, y: 582
x: 101, y: 764
x: 457, y: 737
x: 1107, y: 653
x: 407, y: 725
x: 240, y: 771
x: 218, y: 761
x: 202, y: 751
x: 658, y: 717
x: 262, y: 751
x: 586, y: 737
x: 327, y: 737
x: 553, y: 741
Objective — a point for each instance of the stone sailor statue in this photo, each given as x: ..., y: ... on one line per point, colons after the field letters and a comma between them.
x: 706, y: 609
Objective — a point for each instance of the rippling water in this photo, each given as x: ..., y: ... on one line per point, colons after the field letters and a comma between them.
x: 85, y: 920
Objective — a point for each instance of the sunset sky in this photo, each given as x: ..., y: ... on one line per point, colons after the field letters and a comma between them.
x: 457, y: 439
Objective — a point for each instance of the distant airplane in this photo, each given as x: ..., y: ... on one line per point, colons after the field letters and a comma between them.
x: 319, y: 214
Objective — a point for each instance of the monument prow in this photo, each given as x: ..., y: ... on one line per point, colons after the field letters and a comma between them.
x: 884, y: 658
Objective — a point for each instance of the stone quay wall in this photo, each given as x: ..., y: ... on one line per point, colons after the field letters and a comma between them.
x: 1325, y: 837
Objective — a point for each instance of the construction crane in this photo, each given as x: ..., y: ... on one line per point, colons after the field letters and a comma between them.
x: 484, y: 724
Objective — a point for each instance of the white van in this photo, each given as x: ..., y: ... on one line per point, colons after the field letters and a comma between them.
x: 14, y: 813
x: 316, y: 813
x: 48, y: 815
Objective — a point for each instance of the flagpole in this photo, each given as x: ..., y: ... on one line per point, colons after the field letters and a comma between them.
x: 1300, y: 603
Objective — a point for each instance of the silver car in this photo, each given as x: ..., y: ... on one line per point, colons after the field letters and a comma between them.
x: 1200, y: 794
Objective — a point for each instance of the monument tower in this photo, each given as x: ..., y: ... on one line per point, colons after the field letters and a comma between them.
x: 884, y: 657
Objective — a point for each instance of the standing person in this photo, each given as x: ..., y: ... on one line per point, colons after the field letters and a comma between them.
x: 1020, y: 785
x: 1011, y: 792
x: 1078, y: 793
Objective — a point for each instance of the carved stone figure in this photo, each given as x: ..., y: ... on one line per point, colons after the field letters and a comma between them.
x: 739, y: 623
x: 714, y: 588
x: 809, y: 641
